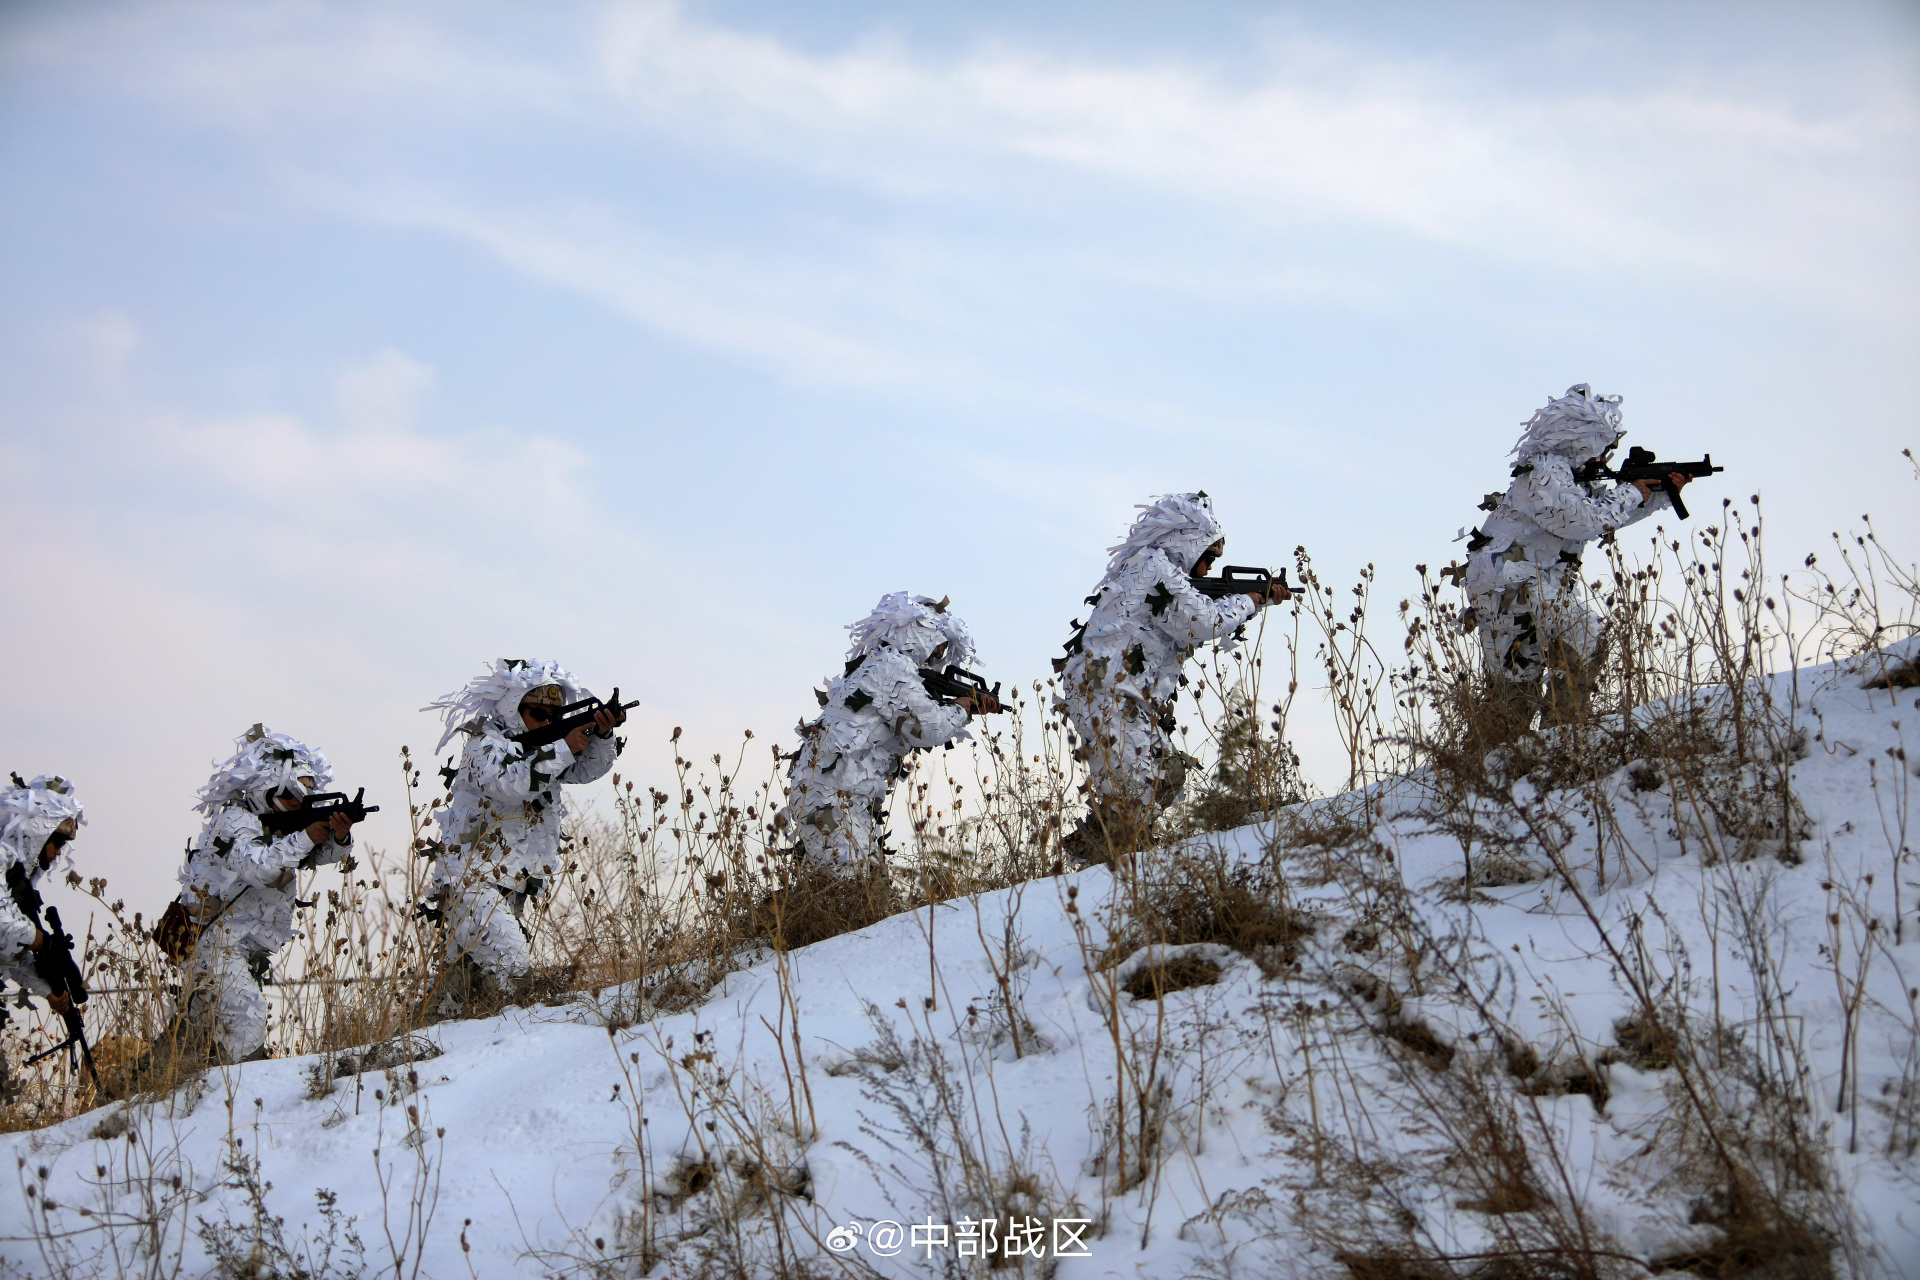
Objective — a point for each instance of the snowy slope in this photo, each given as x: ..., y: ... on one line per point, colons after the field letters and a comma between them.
x: 907, y: 1101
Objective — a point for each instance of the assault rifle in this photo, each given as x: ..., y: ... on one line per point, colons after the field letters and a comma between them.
x: 575, y: 715
x: 55, y: 967
x: 1240, y: 580
x: 1642, y: 465
x: 318, y: 807
x: 956, y: 683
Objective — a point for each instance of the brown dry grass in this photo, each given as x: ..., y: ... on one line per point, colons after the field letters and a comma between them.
x: 1196, y: 895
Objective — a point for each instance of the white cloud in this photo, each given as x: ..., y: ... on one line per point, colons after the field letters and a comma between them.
x: 105, y: 343
x: 384, y: 393
x: 377, y: 464
x: 1295, y: 175
x: 1708, y: 176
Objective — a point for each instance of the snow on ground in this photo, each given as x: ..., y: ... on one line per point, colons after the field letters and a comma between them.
x: 872, y: 1086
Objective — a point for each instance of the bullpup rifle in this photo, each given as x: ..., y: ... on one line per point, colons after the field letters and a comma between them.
x: 318, y: 807
x: 1241, y: 580
x: 575, y: 715
x: 956, y: 683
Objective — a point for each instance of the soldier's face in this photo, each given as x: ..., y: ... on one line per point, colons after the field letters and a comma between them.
x: 61, y: 836
x: 1204, y: 565
x: 286, y: 803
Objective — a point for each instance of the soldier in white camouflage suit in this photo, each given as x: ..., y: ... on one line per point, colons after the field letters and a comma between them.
x: 500, y: 832
x: 875, y: 714
x: 1522, y: 575
x: 38, y: 820
x: 1121, y: 678
x: 239, y: 883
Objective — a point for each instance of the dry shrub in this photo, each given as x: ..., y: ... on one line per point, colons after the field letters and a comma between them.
x: 1391, y: 1265
x: 1645, y: 1043
x: 1750, y: 1250
x: 807, y: 904
x: 1255, y: 772
x: 1153, y: 981
x: 1201, y: 895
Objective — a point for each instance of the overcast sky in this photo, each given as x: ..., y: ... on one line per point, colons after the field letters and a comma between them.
x: 345, y: 347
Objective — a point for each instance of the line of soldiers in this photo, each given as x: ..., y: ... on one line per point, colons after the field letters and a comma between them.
x: 527, y: 730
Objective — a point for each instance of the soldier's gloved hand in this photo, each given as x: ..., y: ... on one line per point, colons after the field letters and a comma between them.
x: 577, y: 740
x: 1646, y: 487
x: 59, y: 1003
x: 984, y: 704
x: 340, y: 827
x: 319, y: 832
x: 606, y: 718
x: 1277, y: 594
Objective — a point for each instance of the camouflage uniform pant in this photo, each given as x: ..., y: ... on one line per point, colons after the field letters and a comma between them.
x: 846, y: 836
x: 1129, y: 756
x: 483, y: 926
x: 1527, y: 633
x: 225, y: 1002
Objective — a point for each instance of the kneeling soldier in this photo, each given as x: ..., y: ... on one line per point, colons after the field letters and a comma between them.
x: 500, y: 832
x: 1522, y: 575
x: 876, y: 714
x: 1121, y: 678
x: 239, y: 881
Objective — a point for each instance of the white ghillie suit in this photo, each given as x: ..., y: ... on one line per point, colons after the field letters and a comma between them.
x: 238, y: 884
x: 1523, y: 566
x: 500, y: 831
x: 1121, y: 678
x: 29, y: 815
x: 875, y: 715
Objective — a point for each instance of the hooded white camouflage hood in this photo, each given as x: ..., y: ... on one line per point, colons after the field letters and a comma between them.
x: 1180, y: 525
x: 1576, y: 426
x: 263, y: 765
x: 496, y: 696
x: 31, y: 812
x: 914, y: 627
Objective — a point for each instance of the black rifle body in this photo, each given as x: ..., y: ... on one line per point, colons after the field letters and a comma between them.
x: 1642, y: 465
x: 575, y: 715
x: 318, y: 807
x: 1240, y: 580
x: 956, y: 683
x: 54, y: 964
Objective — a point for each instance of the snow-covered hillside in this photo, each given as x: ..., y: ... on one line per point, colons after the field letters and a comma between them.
x: 1462, y: 1071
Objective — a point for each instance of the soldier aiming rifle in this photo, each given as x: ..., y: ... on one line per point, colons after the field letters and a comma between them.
x: 1525, y: 595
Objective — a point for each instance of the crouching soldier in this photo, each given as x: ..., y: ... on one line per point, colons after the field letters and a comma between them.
x: 875, y: 714
x: 500, y: 832
x: 1121, y: 677
x: 1524, y: 591
x: 235, y: 909
x: 38, y: 820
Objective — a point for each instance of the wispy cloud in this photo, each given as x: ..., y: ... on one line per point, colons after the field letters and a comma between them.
x: 1297, y: 175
